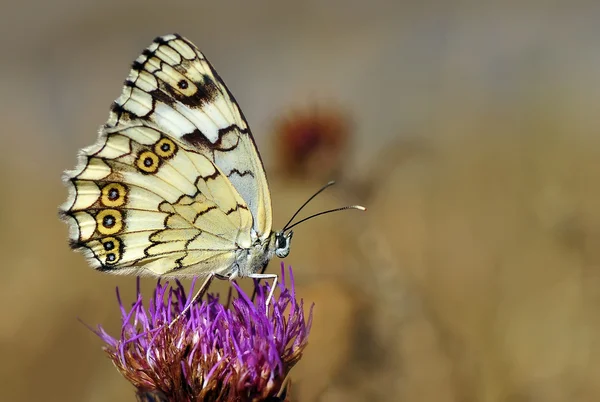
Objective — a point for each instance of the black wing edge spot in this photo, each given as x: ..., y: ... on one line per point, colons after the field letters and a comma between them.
x: 137, y: 66
x: 121, y: 112
x: 63, y: 215
x: 76, y: 245
x: 106, y: 268
x: 162, y: 41
x: 148, y: 53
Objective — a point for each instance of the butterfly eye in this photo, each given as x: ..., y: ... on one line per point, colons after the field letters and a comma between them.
x: 283, y: 242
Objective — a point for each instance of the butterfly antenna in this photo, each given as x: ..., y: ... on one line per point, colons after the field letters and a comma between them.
x: 359, y: 207
x: 331, y: 183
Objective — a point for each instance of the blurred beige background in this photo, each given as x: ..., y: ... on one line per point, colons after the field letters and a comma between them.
x: 472, y: 137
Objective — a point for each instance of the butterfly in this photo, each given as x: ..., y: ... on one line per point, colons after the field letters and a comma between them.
x: 175, y: 186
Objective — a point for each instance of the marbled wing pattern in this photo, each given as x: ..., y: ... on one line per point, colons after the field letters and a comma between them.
x: 174, y: 183
x: 174, y: 87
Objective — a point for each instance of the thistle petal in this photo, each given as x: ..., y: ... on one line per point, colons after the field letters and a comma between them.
x: 235, y: 351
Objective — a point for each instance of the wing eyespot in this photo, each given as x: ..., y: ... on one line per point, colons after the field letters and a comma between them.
x: 148, y: 162
x: 165, y: 148
x: 114, y: 249
x: 114, y: 195
x: 109, y: 221
x: 108, y: 243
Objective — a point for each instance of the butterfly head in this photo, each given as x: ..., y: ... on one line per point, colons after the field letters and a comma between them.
x: 283, y: 242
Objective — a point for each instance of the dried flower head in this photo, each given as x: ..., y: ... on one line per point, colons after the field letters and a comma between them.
x: 237, y: 351
x: 312, y: 143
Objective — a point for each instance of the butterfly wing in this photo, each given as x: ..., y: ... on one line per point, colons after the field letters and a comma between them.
x: 172, y: 86
x: 142, y: 203
x: 174, y: 184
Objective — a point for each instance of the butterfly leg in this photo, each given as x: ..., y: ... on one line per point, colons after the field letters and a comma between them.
x: 255, y: 291
x: 199, y: 294
x: 267, y: 276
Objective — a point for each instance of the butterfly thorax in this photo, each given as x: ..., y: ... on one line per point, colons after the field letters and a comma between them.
x: 255, y: 258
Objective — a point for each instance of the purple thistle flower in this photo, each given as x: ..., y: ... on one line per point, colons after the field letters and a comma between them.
x: 237, y: 351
